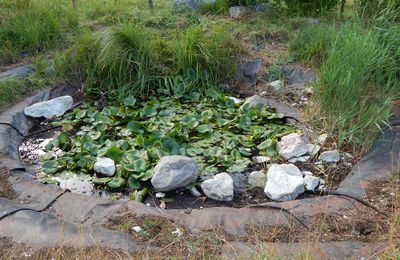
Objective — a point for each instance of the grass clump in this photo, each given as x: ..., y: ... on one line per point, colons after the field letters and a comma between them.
x: 357, y: 85
x: 313, y: 43
x: 34, y: 28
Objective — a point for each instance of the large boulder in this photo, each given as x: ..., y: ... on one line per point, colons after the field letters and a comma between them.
x: 219, y: 188
x: 104, y: 166
x: 173, y: 172
x: 284, y: 182
x: 49, y: 109
x: 292, y: 146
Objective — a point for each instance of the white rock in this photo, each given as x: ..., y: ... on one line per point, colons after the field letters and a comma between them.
x: 311, y: 182
x: 137, y: 229
x: 193, y: 190
x: 261, y: 159
x: 104, y: 166
x: 257, y: 179
x: 303, y: 158
x: 77, y: 184
x: 305, y: 173
x: 236, y: 100
x: 284, y: 182
x: 160, y: 195
x: 49, y: 109
x: 276, y: 85
x: 330, y: 156
x: 292, y: 146
x: 219, y: 188
x: 173, y: 172
x: 178, y: 232
x: 321, y: 139
x: 255, y: 100
x: 237, y: 11
x: 313, y: 149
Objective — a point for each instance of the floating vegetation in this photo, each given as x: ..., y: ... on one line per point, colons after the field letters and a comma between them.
x: 220, y: 134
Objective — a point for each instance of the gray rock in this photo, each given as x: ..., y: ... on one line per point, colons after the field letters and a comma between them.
x: 261, y: 159
x: 330, y: 156
x: 104, y: 166
x: 49, y: 109
x: 219, y: 188
x: 263, y: 7
x: 313, y: 149
x: 237, y: 11
x: 311, y: 182
x: 193, y: 190
x: 276, y: 85
x: 173, y: 172
x: 256, y: 100
x: 284, y: 182
x: 249, y: 70
x: 300, y: 75
x: 160, y: 195
x: 77, y: 184
x: 303, y: 158
x: 257, y: 179
x: 239, y: 182
x: 20, y: 72
x: 292, y: 146
x: 194, y: 4
x: 321, y: 139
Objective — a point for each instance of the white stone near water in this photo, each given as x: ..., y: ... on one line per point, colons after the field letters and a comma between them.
x: 219, y: 188
x: 49, y: 109
x: 330, y: 156
x: 257, y: 179
x: 311, y: 182
x: 284, y: 182
x: 104, y: 166
x: 173, y: 172
x: 292, y: 146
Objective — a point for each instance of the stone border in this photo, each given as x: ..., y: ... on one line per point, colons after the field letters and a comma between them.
x: 76, y: 220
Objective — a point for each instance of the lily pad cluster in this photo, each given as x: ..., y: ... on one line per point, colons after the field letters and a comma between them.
x: 220, y: 134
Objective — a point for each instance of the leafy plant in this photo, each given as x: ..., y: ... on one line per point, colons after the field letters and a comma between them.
x: 214, y: 130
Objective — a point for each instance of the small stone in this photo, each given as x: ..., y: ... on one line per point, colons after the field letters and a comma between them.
x: 257, y: 179
x: 292, y: 146
x: 256, y: 100
x: 237, y: 12
x: 305, y: 173
x: 137, y: 229
x: 276, y: 85
x: 219, y: 188
x: 104, y: 166
x: 303, y: 158
x: 311, y: 182
x: 263, y: 7
x: 193, y: 190
x: 284, y: 182
x: 249, y: 70
x: 49, y: 109
x: 236, y: 100
x: 330, y: 156
x: 177, y: 232
x: 261, y: 159
x: 321, y: 139
x: 313, y: 149
x: 173, y: 172
x: 160, y: 195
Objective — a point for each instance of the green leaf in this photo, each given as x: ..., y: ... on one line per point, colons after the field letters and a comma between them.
x: 136, y: 127
x: 114, y: 153
x: 133, y: 183
x: 204, y: 129
x: 101, y: 181
x: 129, y: 101
x: 116, y: 183
x: 50, y: 167
x: 149, y: 111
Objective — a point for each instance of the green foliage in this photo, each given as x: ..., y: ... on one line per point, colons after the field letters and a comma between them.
x: 213, y: 130
x: 357, y: 83
x: 313, y: 43
x: 309, y: 7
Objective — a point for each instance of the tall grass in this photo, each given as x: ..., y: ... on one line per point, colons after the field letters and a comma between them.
x: 33, y: 28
